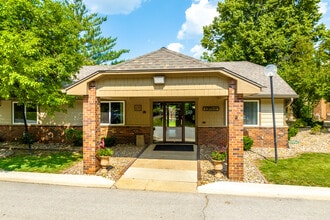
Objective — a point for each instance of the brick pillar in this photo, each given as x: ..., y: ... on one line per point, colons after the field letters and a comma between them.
x: 235, y: 133
x: 91, y: 129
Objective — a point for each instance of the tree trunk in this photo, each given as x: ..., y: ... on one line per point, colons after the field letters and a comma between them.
x: 26, y: 135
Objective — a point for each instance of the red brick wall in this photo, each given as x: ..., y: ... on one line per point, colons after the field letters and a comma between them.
x: 91, y: 130
x: 235, y: 133
x: 264, y: 137
x: 212, y: 136
x: 55, y: 134
x: 42, y: 133
x: 126, y: 134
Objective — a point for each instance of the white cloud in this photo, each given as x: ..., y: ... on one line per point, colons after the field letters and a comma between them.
x: 323, y: 7
x: 109, y: 7
x: 177, y: 47
x: 197, y: 16
x: 197, y: 51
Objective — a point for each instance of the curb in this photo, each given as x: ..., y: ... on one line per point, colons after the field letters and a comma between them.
x: 57, y: 179
x: 266, y: 190
x: 223, y: 188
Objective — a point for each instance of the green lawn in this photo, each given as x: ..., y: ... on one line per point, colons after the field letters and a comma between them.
x: 309, y: 169
x: 43, y: 162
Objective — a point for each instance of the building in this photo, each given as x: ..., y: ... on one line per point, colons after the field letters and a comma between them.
x: 166, y: 97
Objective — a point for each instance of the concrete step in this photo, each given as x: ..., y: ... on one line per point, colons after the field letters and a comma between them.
x: 156, y: 185
x: 161, y: 174
x: 166, y: 164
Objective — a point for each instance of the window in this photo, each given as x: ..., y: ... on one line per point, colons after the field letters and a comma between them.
x: 251, y: 112
x: 31, y: 113
x: 112, y: 113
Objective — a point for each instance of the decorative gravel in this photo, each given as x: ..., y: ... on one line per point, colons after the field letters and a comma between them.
x: 125, y: 155
x: 302, y: 143
x: 6, y: 153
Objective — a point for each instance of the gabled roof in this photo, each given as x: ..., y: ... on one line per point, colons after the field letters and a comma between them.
x: 161, y: 59
x: 167, y: 60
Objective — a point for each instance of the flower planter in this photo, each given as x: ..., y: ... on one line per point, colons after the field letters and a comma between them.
x: 218, y: 167
x: 104, y: 163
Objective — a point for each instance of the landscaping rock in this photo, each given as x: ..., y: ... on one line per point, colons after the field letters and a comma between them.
x: 6, y: 153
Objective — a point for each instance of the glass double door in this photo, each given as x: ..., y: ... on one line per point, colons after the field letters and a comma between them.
x: 174, y: 122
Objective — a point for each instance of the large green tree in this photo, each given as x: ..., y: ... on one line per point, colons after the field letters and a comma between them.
x: 282, y: 32
x: 43, y: 45
x: 40, y: 52
x: 96, y: 48
x: 40, y: 45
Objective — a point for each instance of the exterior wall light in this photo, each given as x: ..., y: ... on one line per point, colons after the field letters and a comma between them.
x: 159, y: 79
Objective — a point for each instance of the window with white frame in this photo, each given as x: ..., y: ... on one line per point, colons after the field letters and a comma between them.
x: 251, y: 112
x: 113, y: 112
x: 31, y: 113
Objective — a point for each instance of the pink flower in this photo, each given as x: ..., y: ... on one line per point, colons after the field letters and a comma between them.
x: 102, y: 144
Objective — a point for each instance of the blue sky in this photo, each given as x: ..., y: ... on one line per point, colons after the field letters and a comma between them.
x: 143, y: 26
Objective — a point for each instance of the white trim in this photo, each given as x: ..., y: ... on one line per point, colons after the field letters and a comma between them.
x: 258, y: 115
x: 21, y: 123
x: 109, y: 102
x: 226, y: 112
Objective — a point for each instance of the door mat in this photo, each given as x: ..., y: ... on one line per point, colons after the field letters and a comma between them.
x: 174, y: 147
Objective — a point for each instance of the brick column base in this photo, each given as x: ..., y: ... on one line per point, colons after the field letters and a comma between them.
x: 91, y: 130
x: 235, y: 134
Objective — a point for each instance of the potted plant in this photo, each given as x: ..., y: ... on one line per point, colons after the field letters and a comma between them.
x: 104, y: 155
x: 218, y: 158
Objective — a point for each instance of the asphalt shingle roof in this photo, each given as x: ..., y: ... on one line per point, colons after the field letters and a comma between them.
x: 164, y: 59
x: 88, y: 70
x: 161, y: 59
x: 255, y: 73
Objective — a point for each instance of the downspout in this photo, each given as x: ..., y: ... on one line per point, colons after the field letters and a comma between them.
x: 290, y: 113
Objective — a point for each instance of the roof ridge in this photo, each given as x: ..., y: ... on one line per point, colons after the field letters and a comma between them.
x: 141, y: 60
x: 184, y: 56
x: 132, y: 60
x: 238, y: 61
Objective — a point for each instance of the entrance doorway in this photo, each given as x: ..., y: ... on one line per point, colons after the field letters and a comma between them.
x: 174, y: 122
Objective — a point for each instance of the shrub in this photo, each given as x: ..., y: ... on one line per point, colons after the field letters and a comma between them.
x: 248, y: 142
x: 300, y: 123
x: 316, y: 129
x: 27, y: 138
x: 74, y: 136
x: 105, y: 152
x: 292, y: 131
x: 109, y: 141
x: 217, y: 155
x: 315, y: 123
x: 2, y: 139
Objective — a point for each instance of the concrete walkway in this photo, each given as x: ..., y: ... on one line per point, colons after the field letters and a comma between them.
x: 171, y: 171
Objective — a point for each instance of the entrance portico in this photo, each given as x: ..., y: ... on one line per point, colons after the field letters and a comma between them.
x: 194, y: 103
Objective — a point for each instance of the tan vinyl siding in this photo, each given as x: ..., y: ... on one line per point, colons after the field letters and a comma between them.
x: 211, y: 118
x: 72, y: 117
x: 5, y: 112
x: 184, y: 86
x: 137, y: 118
x: 266, y: 119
